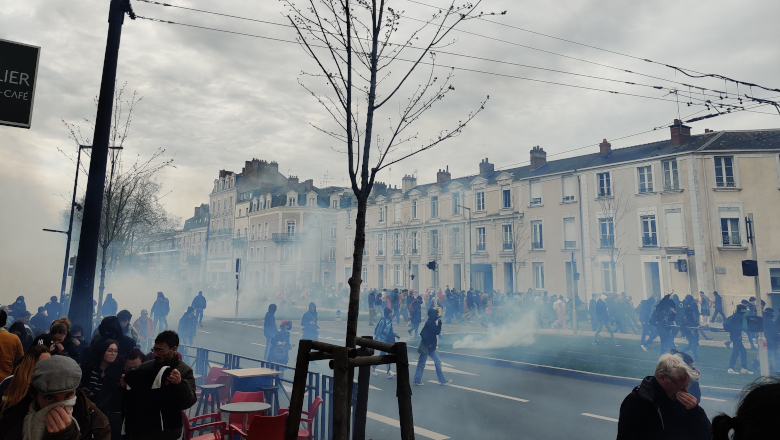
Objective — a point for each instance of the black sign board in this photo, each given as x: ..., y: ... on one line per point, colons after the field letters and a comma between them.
x: 18, y: 73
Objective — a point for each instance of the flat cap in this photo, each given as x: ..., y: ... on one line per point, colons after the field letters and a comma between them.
x: 56, y: 375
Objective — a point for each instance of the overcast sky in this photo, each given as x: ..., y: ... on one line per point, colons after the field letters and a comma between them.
x: 214, y: 100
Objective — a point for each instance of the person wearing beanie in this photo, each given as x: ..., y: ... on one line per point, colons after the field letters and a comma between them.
x: 383, y: 332
x: 54, y: 407
x: 428, y: 341
x: 269, y: 328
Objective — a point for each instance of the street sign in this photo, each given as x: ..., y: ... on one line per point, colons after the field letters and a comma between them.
x: 18, y: 74
x: 691, y: 252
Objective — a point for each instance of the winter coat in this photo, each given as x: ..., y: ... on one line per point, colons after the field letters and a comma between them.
x: 111, y: 327
x: 416, y: 312
x: 107, y: 397
x: 145, y: 329
x: 602, y: 315
x: 161, y: 307
x: 40, y: 322
x: 150, y: 411
x: 280, y: 354
x: 649, y: 414
x: 92, y: 423
x: 54, y: 309
x: 269, y: 325
x: 383, y: 332
x: 187, y: 324
x: 199, y: 302
x: 310, y: 330
x: 733, y: 325
x: 429, y: 333
x: 771, y: 331
x: 110, y: 307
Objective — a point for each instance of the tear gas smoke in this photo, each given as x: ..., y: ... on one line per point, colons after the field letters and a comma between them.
x: 519, y: 331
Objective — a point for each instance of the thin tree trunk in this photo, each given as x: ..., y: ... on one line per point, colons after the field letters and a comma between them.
x: 357, y: 265
x: 102, y: 282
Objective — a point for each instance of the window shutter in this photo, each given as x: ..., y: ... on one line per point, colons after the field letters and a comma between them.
x: 449, y: 238
x: 674, y: 227
x: 428, y: 242
x: 536, y: 189
x: 569, y: 232
x: 568, y: 187
x: 439, y: 242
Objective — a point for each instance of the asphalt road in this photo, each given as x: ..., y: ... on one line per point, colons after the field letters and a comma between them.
x: 482, y: 402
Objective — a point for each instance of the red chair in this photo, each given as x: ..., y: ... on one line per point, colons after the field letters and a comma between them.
x: 224, y: 392
x: 308, y: 418
x: 214, y: 373
x: 267, y: 428
x: 188, y: 429
x: 236, y: 421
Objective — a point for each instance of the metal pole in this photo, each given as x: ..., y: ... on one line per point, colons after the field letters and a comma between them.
x: 84, y: 274
x: 574, y: 294
x: 70, y: 226
x: 763, y: 357
x: 237, y: 267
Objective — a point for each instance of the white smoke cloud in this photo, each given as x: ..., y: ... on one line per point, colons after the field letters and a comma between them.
x: 520, y: 330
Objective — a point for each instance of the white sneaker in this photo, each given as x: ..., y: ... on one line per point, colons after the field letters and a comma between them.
x: 445, y: 383
x: 644, y: 348
x: 745, y: 371
x: 390, y: 374
x: 419, y: 384
x: 731, y: 371
x: 373, y: 371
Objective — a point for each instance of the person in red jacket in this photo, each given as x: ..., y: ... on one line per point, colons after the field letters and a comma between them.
x: 145, y: 328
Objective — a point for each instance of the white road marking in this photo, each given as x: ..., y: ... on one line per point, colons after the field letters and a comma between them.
x: 417, y: 430
x: 244, y: 323
x: 482, y: 392
x: 713, y: 399
x: 204, y: 331
x: 595, y: 416
x: 371, y: 387
x: 430, y: 366
x: 255, y: 343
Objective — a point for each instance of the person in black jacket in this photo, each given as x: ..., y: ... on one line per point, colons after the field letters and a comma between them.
x: 199, y: 303
x: 429, y: 338
x: 602, y: 315
x: 772, y: 334
x: 661, y: 408
x: 110, y: 306
x: 160, y: 310
x: 100, y: 382
x: 54, y: 308
x: 733, y: 325
x: 109, y: 328
x: 269, y: 328
x: 416, y: 315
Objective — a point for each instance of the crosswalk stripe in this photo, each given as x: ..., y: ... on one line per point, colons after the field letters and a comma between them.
x: 713, y: 399
x: 255, y: 343
x: 482, y: 392
x: 202, y: 331
x: 417, y: 430
x: 596, y: 416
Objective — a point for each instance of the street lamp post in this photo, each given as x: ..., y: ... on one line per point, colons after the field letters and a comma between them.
x: 469, y: 209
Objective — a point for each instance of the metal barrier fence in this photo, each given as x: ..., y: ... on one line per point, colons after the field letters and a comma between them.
x: 318, y: 385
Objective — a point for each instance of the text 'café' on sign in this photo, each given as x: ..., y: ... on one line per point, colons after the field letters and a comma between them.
x: 18, y: 74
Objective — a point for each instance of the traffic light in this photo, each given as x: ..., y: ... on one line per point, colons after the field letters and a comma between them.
x: 431, y: 265
x: 72, y: 266
x: 750, y: 268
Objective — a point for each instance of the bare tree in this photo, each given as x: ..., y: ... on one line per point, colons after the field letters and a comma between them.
x: 613, y: 209
x: 131, y: 199
x: 353, y: 46
x: 518, y: 247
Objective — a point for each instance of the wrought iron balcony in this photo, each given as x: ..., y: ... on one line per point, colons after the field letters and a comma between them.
x: 732, y: 239
x: 607, y: 242
x: 569, y: 244
x: 649, y: 240
x: 287, y: 238
x: 508, y: 246
x: 536, y: 201
x: 537, y: 245
x: 731, y: 184
x: 568, y: 198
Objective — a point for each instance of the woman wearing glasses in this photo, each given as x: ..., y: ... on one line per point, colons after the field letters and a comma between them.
x: 100, y: 382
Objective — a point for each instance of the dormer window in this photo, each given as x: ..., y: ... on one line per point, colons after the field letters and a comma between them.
x: 290, y: 201
x: 335, y: 204
x: 381, y: 214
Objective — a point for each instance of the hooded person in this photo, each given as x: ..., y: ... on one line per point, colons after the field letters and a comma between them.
x: 54, y: 408
x: 40, y: 321
x: 428, y: 343
x: 199, y: 303
x: 18, y: 308
x: 110, y: 306
x: 187, y: 325
x: 602, y: 316
x: 109, y: 328
x: 54, y: 308
x: 733, y: 325
x: 663, y: 319
x: 269, y: 328
x: 160, y: 310
x: 309, y: 324
x: 280, y: 344
x: 383, y: 332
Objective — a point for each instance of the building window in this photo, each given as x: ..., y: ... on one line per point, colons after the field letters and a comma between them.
x: 506, y: 233
x: 604, y: 184
x: 366, y: 245
x: 265, y: 253
x: 607, y: 232
x: 397, y: 274
x: 649, y: 234
x: 380, y: 245
x: 349, y: 218
x: 334, y: 204
x: 724, y: 171
x: 569, y: 233
x: 348, y: 244
x: 312, y: 201
x: 456, y: 241
x: 381, y: 214
x: 332, y: 232
x: 536, y: 192
x: 456, y: 203
x: 267, y: 229
x: 396, y: 243
x: 481, y: 239
x: 506, y: 198
x: 671, y: 178
x: 538, y: 269
x: 774, y: 278
x: 364, y: 275
x: 645, y: 179
x: 291, y: 201
x: 414, y: 209
x: 480, y: 200
x: 289, y: 253
x: 415, y: 243
x: 568, y: 188
x: 609, y: 277
x: 332, y: 254
x: 538, y: 237
x: 674, y: 228
x: 290, y: 227
x: 434, y: 206
x: 729, y: 228
x: 435, y: 242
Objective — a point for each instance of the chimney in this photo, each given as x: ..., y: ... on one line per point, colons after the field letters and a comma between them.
x: 408, y: 182
x: 485, y: 167
x: 443, y: 176
x: 197, y: 211
x: 538, y: 157
x: 707, y: 130
x: 292, y: 180
x: 274, y: 164
x: 605, y: 147
x: 680, y: 133
x: 380, y: 187
x: 309, y: 184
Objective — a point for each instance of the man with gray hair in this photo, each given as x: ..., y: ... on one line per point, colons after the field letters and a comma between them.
x: 53, y: 407
x: 661, y: 407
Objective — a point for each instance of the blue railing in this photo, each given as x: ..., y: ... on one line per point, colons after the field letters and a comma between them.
x: 318, y: 385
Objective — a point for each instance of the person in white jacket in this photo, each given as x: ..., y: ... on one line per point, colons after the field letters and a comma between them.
x: 560, y: 309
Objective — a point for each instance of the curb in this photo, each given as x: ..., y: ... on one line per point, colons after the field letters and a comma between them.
x: 707, y: 391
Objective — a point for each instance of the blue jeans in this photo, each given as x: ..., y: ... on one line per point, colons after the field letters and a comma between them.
x: 421, y: 366
x: 649, y: 331
x: 738, y: 351
x: 199, y: 315
x: 603, y: 324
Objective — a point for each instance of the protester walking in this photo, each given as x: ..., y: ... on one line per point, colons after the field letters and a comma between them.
x: 602, y: 316
x: 54, y: 408
x: 160, y: 310
x: 717, y: 305
x: 772, y: 335
x: 39, y: 322
x: 199, y: 304
x: 560, y: 311
x: 661, y: 407
x: 690, y: 330
x: 705, y: 308
x: 428, y: 343
x: 371, y: 310
x: 416, y: 315
x: 144, y: 326
x: 54, y: 308
x: 309, y: 324
x: 269, y: 328
x: 110, y: 306
x: 383, y: 332
x: 10, y: 348
x: 663, y: 319
x: 187, y: 326
x: 733, y: 325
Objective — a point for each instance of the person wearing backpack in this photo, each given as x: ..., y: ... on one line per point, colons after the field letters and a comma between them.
x: 383, y: 332
x: 428, y: 340
x: 733, y: 325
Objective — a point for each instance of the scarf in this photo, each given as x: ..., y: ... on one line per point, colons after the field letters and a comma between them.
x: 34, y: 427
